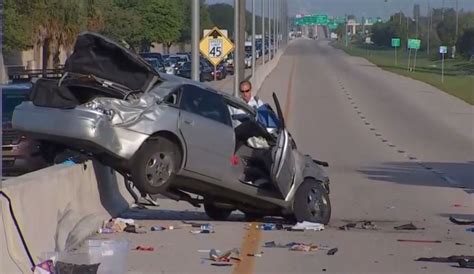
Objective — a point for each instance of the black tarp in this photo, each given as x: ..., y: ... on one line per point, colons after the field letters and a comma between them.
x: 95, y: 54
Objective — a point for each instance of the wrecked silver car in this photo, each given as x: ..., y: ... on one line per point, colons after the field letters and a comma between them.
x: 174, y: 136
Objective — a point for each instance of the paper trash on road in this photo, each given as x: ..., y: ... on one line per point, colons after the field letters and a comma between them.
x: 307, y: 226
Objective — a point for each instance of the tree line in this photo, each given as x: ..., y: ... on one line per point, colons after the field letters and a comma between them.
x: 439, y: 26
x: 54, y: 24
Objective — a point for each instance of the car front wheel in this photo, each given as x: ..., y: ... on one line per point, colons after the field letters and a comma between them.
x: 155, y: 165
x: 311, y: 203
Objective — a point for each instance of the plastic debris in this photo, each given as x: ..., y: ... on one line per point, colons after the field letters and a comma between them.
x: 144, y: 248
x: 116, y: 225
x: 460, y: 221
x: 157, y: 228
x: 419, y: 241
x: 301, y: 226
x: 105, y: 231
x: 68, y: 163
x: 304, y: 247
x: 450, y: 259
x: 332, y: 251
x: 471, y: 229
x: 259, y: 254
x: 225, y: 257
x: 272, y: 244
x: 409, y: 226
x: 204, y: 229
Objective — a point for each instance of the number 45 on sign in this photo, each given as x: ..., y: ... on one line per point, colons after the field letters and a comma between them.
x: 215, y: 48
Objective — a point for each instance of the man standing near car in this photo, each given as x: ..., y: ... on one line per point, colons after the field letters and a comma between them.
x: 246, y: 93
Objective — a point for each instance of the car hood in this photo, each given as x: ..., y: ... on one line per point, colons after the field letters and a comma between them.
x: 96, y: 55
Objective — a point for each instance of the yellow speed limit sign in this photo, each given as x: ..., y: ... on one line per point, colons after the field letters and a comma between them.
x: 215, y: 46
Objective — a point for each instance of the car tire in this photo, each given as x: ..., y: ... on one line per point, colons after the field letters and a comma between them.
x: 216, y: 213
x: 311, y: 203
x: 155, y: 164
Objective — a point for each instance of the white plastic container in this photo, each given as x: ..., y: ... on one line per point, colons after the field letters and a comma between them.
x: 111, y: 254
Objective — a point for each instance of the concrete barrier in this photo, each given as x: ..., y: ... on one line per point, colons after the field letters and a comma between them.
x: 57, y: 208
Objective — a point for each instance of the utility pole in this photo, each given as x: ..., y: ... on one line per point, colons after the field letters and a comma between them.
x: 274, y: 28
x: 269, y: 29
x: 239, y: 37
x: 253, y: 39
x: 457, y: 19
x: 429, y: 30
x: 263, y: 32
x: 195, y: 40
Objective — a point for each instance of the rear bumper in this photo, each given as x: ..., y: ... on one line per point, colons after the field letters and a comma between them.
x: 78, y: 128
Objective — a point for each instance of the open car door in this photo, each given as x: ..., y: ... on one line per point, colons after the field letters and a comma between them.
x: 283, y: 167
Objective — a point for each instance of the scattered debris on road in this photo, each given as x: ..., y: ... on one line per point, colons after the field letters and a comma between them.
x: 157, y: 228
x: 332, y: 251
x: 450, y: 259
x: 204, y: 229
x: 115, y: 225
x: 466, y: 263
x: 409, y: 226
x: 225, y: 257
x: 302, y: 226
x: 304, y: 247
x: 134, y: 229
x: 461, y: 221
x: 419, y: 241
x: 144, y: 248
x: 259, y: 254
x: 348, y: 226
x: 272, y: 244
x: 369, y: 225
x: 470, y: 229
x: 363, y: 225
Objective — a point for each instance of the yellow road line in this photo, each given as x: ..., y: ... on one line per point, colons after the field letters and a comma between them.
x: 251, y: 240
x: 289, y: 92
x: 250, y: 245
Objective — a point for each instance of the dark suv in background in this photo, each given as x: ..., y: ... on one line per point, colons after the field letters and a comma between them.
x: 20, y: 154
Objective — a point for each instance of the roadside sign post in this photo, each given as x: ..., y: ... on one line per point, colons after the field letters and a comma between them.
x: 396, y: 44
x: 215, y: 46
x: 443, y: 50
x: 413, y: 44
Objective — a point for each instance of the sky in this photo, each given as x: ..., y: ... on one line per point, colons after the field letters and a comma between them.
x: 366, y: 8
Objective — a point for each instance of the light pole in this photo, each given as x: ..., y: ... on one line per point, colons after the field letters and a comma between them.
x: 263, y: 32
x: 253, y: 38
x: 269, y: 29
x: 195, y: 40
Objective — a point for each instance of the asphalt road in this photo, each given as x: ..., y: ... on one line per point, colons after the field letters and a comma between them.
x: 398, y: 151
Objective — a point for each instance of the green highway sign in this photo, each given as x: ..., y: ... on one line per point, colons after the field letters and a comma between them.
x: 321, y: 19
x: 414, y: 43
x: 395, y: 42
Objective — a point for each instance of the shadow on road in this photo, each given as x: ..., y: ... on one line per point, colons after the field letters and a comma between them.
x: 185, y: 215
x: 424, y: 174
